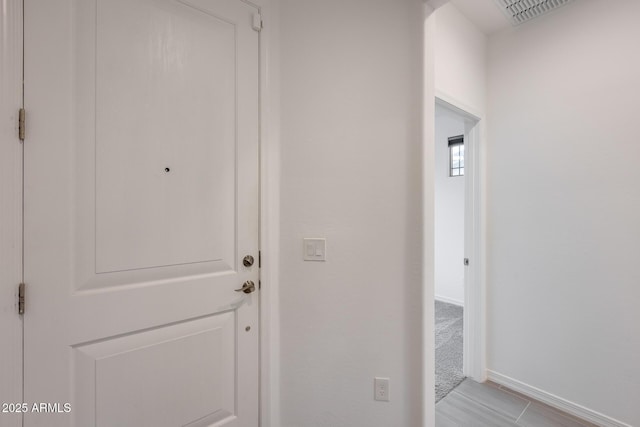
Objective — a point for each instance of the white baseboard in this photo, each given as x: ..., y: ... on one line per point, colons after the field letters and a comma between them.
x: 449, y: 300
x: 555, y: 401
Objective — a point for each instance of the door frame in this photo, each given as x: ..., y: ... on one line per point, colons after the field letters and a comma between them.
x: 269, y: 87
x: 11, y: 153
x: 474, y: 318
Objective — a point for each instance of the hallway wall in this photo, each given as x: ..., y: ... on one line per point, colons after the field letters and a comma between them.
x: 351, y: 117
x: 460, y: 60
x: 564, y: 203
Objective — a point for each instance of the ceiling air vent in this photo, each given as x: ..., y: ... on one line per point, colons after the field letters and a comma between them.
x: 519, y: 11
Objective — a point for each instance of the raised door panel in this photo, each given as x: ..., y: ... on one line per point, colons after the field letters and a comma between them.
x: 165, y: 135
x: 170, y: 376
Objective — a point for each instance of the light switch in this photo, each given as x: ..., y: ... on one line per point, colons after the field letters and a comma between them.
x: 311, y: 249
x: 315, y: 249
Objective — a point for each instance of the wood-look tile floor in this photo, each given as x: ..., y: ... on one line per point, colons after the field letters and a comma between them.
x: 491, y: 405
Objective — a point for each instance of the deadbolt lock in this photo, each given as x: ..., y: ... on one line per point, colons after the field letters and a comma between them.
x: 247, y: 261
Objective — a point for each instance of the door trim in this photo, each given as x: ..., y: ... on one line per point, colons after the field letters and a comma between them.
x: 474, y: 332
x: 11, y: 75
x: 269, y: 213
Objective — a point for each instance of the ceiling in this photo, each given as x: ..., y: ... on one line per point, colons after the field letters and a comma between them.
x: 484, y: 13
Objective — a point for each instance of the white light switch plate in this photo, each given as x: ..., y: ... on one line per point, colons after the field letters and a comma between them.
x: 314, y: 249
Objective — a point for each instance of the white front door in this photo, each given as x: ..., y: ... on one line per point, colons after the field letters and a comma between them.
x: 140, y: 204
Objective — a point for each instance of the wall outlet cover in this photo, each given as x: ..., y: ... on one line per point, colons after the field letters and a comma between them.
x: 381, y: 389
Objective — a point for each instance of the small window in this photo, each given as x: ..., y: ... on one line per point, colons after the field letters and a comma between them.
x: 456, y: 155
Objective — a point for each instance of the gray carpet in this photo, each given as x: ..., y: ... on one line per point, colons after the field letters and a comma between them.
x: 448, y: 348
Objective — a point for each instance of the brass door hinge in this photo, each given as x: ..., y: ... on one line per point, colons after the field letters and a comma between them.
x: 21, y: 298
x: 21, y: 124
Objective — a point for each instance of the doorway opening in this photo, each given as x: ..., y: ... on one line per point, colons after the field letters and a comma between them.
x: 458, y: 349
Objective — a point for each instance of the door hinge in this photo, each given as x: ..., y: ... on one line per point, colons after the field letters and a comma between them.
x: 21, y: 298
x: 21, y: 124
x: 257, y: 21
x: 466, y: 261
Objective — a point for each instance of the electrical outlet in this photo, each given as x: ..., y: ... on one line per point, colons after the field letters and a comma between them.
x: 381, y: 389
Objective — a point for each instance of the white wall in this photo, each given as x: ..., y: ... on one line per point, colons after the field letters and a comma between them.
x: 449, y: 213
x: 460, y: 60
x: 564, y: 203
x: 351, y: 75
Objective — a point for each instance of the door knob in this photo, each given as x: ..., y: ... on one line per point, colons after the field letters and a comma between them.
x: 247, y: 287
